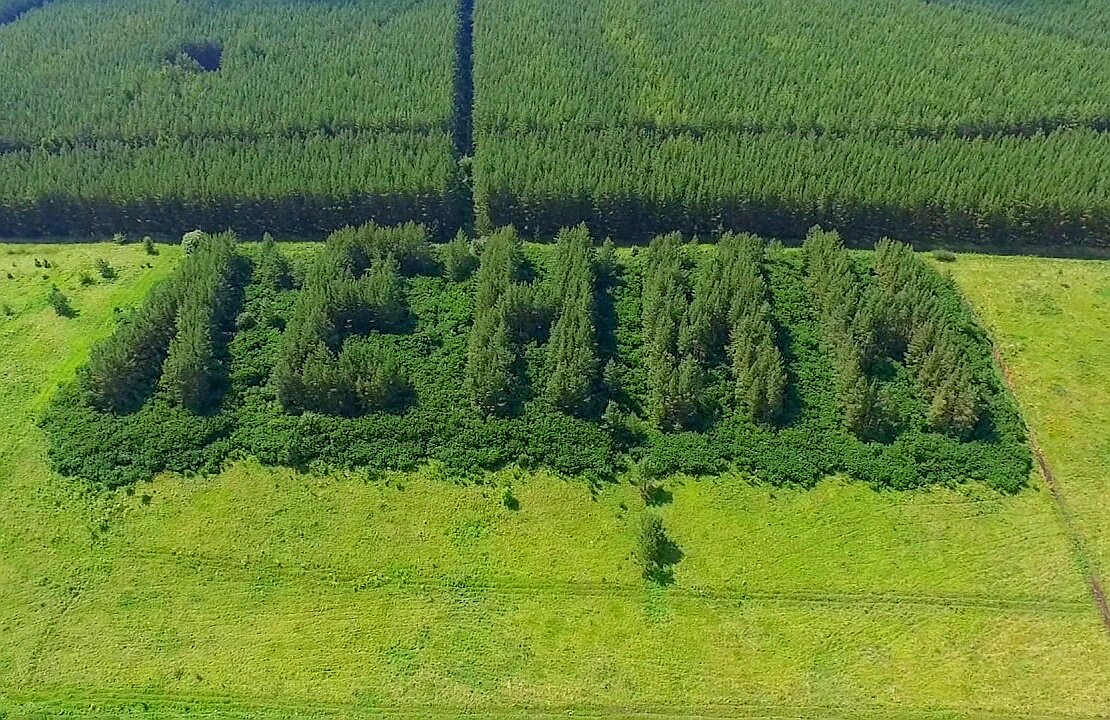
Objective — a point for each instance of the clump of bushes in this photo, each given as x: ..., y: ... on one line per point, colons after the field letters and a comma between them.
x: 105, y: 269
x: 61, y: 303
x: 655, y: 551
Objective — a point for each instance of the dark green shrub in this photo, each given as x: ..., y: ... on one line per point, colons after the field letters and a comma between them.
x: 61, y: 303
x: 656, y: 552
x: 105, y: 269
x: 459, y: 260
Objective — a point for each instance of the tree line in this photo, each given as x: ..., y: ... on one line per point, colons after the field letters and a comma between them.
x: 895, y: 310
x: 633, y: 184
x: 174, y: 338
x: 720, y: 316
x: 312, y: 184
x: 380, y: 350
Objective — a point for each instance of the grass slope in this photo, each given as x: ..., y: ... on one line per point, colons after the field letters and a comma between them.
x: 264, y: 593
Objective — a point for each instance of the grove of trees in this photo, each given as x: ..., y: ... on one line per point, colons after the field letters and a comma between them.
x: 382, y: 350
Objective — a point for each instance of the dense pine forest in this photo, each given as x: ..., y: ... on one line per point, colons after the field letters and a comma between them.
x: 382, y: 350
x: 270, y: 115
x: 942, y: 122
x: 952, y: 121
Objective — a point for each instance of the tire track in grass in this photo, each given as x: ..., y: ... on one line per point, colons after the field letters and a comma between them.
x: 365, y: 582
x: 110, y: 703
x: 1075, y: 536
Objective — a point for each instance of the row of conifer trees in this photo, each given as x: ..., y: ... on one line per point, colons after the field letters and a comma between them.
x: 177, y: 335
x: 331, y: 358
x: 724, y: 316
x: 895, y: 311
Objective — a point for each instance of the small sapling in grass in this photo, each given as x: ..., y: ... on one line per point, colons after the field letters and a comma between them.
x: 61, y: 303
x: 105, y: 269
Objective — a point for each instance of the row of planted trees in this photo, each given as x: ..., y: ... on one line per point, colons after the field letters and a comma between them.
x: 705, y: 314
x: 509, y: 312
x: 722, y: 316
x: 177, y: 338
x: 893, y: 310
x: 333, y: 359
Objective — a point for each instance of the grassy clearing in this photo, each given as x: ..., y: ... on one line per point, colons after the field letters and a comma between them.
x: 1051, y: 321
x: 265, y: 593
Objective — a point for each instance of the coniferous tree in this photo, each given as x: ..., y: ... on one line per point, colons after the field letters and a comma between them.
x: 491, y: 353
x: 572, y: 352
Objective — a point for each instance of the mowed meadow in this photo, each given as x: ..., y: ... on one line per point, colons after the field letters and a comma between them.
x: 264, y: 592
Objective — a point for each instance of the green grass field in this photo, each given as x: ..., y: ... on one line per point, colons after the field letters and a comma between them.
x: 1051, y: 320
x: 266, y: 593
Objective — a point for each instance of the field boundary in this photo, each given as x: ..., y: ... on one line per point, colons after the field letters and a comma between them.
x: 215, y: 705
x: 1075, y: 536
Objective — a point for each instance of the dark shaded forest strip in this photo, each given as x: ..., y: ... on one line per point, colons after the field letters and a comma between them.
x: 1075, y: 536
x: 15, y: 10
x: 59, y: 145
x: 970, y: 131
x: 464, y: 81
x: 464, y: 113
x: 632, y: 220
x: 305, y: 215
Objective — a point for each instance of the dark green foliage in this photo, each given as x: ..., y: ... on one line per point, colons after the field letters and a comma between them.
x: 848, y: 313
x: 656, y: 552
x: 355, y: 288
x: 930, y: 335
x: 105, y: 269
x: 60, y: 302
x: 318, y: 375
x: 148, y: 246
x: 85, y: 279
x: 271, y: 270
x: 673, y: 371
x: 876, y: 117
x: 459, y: 260
x: 122, y: 369
x: 322, y: 114
x: 491, y: 353
x: 572, y: 361
x: 194, y: 369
